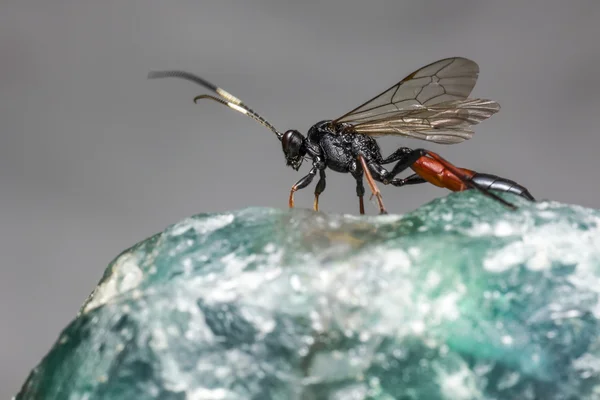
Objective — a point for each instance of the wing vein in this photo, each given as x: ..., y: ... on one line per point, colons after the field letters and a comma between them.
x: 432, y: 103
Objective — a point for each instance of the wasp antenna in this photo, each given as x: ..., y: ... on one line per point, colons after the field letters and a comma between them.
x: 235, y: 107
x: 182, y: 75
x: 232, y: 101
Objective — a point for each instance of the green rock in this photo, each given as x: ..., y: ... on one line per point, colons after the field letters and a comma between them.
x: 460, y: 299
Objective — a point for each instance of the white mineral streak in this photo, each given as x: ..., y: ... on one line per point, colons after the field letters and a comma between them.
x: 201, y: 226
x: 210, y: 394
x: 262, y: 321
x: 508, y: 381
x: 446, y: 307
x: 544, y: 245
x: 357, y: 391
x: 458, y: 385
x: 125, y: 275
x: 588, y: 365
x: 159, y: 340
x: 503, y: 228
x: 507, y: 340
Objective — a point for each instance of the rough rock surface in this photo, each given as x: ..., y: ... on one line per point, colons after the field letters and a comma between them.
x: 461, y: 299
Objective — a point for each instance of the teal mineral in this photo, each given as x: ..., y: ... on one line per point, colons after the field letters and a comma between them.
x: 461, y: 299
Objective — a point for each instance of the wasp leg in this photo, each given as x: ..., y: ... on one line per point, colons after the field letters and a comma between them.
x: 319, y: 189
x: 413, y: 179
x: 372, y: 184
x: 302, y: 183
x: 410, y: 157
x: 397, y: 155
x: 406, y: 157
x: 357, y: 173
x: 360, y: 192
x: 387, y: 178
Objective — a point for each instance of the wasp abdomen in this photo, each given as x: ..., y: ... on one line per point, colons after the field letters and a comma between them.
x: 493, y: 182
x: 436, y: 174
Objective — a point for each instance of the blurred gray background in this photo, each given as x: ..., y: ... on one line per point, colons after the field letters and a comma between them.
x: 94, y: 157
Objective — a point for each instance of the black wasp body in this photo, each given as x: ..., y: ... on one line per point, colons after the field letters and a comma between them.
x: 338, y: 147
x: 329, y: 145
x: 430, y: 104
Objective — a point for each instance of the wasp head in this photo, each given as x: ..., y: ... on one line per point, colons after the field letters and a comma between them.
x: 294, y: 148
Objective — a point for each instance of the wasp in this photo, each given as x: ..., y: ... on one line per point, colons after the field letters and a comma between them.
x: 431, y: 104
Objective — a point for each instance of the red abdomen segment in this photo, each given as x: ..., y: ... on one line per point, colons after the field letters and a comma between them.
x: 436, y: 174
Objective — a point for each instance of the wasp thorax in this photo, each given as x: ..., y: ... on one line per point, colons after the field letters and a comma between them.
x: 292, y: 143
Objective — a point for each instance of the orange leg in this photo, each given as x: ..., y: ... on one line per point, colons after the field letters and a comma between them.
x: 302, y: 183
x: 372, y: 185
x: 291, y: 200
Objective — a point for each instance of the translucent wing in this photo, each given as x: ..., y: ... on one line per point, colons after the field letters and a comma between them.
x: 430, y: 104
x: 447, y: 123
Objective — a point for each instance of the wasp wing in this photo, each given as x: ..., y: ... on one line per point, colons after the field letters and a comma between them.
x: 446, y: 123
x: 430, y: 104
